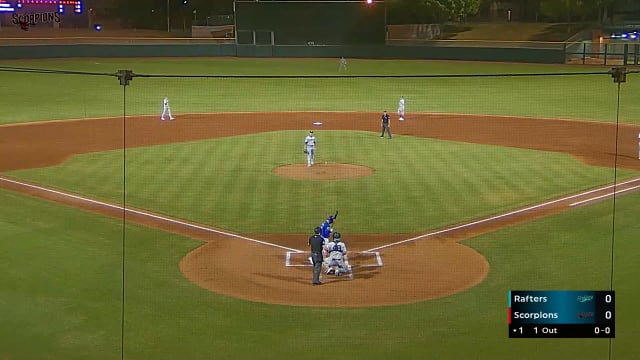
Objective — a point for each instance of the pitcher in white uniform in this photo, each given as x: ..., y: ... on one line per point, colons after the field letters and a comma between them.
x: 310, y: 148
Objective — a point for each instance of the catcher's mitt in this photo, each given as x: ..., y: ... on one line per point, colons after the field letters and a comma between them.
x: 305, y: 151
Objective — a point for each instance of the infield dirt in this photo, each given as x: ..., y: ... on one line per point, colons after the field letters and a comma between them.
x: 428, y: 268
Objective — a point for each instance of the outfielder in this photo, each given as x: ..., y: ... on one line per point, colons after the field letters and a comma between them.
x: 343, y: 64
x: 166, y: 110
x: 401, y: 108
x: 337, y: 263
x: 310, y: 148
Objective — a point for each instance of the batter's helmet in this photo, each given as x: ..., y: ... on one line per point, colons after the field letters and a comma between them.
x: 330, y: 219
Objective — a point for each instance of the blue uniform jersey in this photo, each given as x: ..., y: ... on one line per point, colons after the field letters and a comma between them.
x: 325, y: 229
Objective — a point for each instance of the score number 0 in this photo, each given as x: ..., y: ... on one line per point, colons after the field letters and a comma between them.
x: 607, y: 315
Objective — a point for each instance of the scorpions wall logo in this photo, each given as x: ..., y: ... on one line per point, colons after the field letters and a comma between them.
x: 27, y: 20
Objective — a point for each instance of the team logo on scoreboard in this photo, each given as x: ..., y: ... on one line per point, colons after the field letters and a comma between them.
x: 585, y: 314
x: 584, y: 298
x: 27, y: 20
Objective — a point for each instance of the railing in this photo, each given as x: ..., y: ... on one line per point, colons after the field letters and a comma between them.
x: 596, y: 53
x: 478, y: 43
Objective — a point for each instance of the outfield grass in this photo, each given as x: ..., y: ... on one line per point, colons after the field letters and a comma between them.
x: 63, y: 285
x: 61, y: 281
x: 73, y: 96
x: 418, y: 184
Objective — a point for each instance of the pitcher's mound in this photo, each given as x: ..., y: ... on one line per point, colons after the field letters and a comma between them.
x: 329, y: 171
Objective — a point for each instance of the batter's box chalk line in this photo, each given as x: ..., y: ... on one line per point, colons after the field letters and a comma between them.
x: 361, y: 259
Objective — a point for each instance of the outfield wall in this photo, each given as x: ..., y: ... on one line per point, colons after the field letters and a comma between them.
x: 469, y: 53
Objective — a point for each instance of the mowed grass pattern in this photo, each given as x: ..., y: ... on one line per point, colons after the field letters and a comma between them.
x: 63, y: 283
x: 417, y: 184
x: 589, y: 97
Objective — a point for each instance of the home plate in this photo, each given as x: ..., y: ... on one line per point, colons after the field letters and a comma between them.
x: 317, y: 123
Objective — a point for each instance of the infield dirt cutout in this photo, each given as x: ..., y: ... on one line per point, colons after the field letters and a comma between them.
x: 251, y: 266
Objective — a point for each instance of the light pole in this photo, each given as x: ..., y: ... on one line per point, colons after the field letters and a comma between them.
x: 168, y: 17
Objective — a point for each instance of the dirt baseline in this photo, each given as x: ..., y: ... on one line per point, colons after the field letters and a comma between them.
x: 413, y: 271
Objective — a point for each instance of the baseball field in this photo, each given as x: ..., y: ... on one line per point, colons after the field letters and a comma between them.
x: 124, y: 236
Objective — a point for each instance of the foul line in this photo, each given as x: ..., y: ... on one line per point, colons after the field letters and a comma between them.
x: 614, y: 193
x: 496, y: 217
x: 147, y: 214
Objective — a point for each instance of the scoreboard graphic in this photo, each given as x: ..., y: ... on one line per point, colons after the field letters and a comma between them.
x: 59, y: 5
x: 561, y: 314
x: 6, y: 7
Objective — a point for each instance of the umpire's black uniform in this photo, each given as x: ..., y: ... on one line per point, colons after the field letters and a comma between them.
x: 316, y: 243
x: 385, y: 124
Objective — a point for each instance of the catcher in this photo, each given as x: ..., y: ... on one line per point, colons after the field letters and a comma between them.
x: 310, y: 148
x: 337, y: 263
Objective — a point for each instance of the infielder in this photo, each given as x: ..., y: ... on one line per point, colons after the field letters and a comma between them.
x: 401, y: 108
x: 337, y: 263
x: 310, y: 148
x: 343, y: 64
x: 166, y: 110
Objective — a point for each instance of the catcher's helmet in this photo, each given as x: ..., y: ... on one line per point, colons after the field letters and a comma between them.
x: 317, y: 230
x: 336, y: 236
